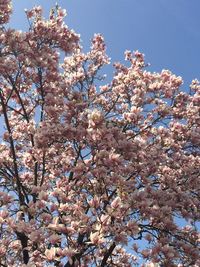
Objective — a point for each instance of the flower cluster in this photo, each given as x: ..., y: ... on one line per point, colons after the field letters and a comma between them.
x: 87, y: 171
x: 5, y: 10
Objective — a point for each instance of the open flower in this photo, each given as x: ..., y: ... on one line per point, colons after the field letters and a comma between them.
x: 50, y: 253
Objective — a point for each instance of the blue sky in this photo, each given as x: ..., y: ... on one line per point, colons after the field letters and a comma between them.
x: 166, y: 31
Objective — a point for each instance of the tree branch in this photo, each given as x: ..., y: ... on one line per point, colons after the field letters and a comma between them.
x: 108, y: 254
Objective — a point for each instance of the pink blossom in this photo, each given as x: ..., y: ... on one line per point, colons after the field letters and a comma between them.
x: 89, y: 168
x: 50, y: 253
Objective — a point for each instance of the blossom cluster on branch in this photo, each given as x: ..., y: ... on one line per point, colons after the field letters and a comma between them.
x: 5, y: 11
x: 88, y: 171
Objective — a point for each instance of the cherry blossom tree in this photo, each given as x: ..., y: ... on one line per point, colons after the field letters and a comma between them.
x: 93, y: 174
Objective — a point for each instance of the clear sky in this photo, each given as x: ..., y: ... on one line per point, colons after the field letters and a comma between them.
x: 166, y: 31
